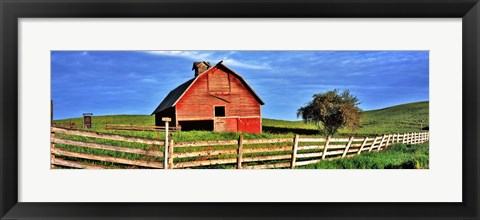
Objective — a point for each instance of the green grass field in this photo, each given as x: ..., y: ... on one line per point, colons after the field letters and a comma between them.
x: 397, y: 119
x: 397, y: 156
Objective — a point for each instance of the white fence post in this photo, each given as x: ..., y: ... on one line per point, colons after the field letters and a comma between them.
x: 363, y: 145
x: 165, y: 159
x: 325, y: 148
x: 294, y: 151
x: 347, y: 147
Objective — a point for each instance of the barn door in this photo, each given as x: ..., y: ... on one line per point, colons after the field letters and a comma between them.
x: 220, y: 124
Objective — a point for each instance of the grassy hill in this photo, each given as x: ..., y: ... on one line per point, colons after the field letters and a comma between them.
x: 396, y: 119
x: 409, y: 117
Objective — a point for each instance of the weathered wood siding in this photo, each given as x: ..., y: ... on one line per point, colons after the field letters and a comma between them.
x: 220, y: 88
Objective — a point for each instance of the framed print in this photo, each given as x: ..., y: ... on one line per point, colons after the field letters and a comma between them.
x: 269, y: 109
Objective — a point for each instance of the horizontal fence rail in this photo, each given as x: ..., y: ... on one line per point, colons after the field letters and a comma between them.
x: 239, y: 154
x: 69, y: 137
x: 132, y: 127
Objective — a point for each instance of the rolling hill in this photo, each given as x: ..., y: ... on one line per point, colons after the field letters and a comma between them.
x: 410, y: 117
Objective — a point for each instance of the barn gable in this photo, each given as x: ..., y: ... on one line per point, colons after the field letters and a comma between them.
x: 217, y: 90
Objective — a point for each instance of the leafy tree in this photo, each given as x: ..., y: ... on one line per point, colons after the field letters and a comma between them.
x: 333, y: 110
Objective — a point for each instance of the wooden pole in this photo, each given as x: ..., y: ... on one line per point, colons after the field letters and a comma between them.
x: 240, y: 152
x: 52, y: 146
x: 294, y: 151
x: 347, y: 147
x: 170, y: 154
x: 388, y: 141
x: 51, y: 112
x: 373, y: 144
x: 325, y: 148
x: 381, y: 142
x: 165, y: 160
x: 363, y: 145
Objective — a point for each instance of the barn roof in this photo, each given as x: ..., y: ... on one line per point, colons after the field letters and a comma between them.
x: 177, y: 93
x: 173, y: 96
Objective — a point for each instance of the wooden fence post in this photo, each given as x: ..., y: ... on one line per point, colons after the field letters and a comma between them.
x: 404, y: 137
x: 363, y: 145
x: 170, y: 154
x: 388, y: 141
x: 325, y: 148
x: 240, y: 152
x: 373, y: 144
x: 294, y: 150
x: 381, y: 142
x: 52, y: 145
x: 347, y: 147
x: 165, y: 159
x: 51, y: 113
x: 165, y: 156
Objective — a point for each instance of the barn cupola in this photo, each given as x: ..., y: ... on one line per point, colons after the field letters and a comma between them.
x: 200, y: 67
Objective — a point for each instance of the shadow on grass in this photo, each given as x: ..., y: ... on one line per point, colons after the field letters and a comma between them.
x: 405, y: 165
x: 300, y: 131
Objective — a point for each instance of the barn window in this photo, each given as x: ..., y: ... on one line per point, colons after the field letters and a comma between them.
x: 219, y: 111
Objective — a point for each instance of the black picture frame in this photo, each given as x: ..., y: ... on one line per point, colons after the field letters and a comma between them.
x: 12, y: 10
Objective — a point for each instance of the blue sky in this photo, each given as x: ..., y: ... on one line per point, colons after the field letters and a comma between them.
x: 135, y: 82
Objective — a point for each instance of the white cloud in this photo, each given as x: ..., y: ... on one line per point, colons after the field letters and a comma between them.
x: 148, y: 80
x: 193, y: 55
x: 210, y: 57
x: 236, y: 63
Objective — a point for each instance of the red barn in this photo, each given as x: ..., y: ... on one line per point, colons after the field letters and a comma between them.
x: 216, y: 99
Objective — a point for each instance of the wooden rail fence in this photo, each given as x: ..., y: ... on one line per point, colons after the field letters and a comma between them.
x: 240, y: 154
x: 133, y: 127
